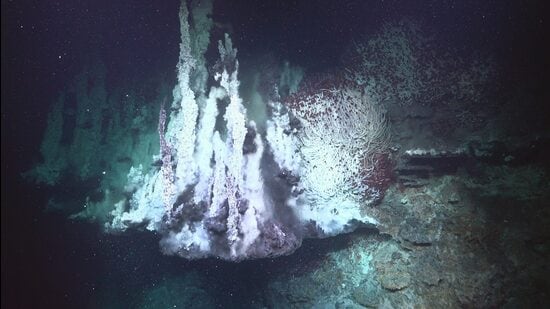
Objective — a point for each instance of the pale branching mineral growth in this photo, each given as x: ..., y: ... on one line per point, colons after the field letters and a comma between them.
x: 224, y: 187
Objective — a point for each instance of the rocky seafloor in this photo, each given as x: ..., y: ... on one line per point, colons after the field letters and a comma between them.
x: 465, y: 224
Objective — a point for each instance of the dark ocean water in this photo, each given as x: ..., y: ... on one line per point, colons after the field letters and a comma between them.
x: 50, y: 261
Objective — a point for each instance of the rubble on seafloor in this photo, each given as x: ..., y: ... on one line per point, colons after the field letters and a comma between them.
x: 459, y: 228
